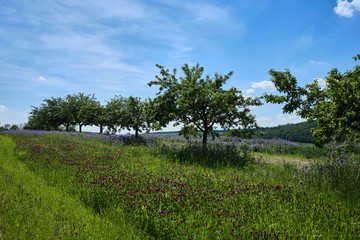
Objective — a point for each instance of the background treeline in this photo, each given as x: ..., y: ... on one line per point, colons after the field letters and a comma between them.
x: 298, y: 132
x: 84, y: 110
x: 10, y: 127
x: 295, y: 132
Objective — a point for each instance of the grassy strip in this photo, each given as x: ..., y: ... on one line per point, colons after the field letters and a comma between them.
x: 30, y: 209
x: 177, y: 199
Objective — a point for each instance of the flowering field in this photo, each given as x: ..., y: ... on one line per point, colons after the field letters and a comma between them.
x: 166, y: 188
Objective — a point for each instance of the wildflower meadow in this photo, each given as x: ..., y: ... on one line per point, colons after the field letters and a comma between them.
x: 57, y: 185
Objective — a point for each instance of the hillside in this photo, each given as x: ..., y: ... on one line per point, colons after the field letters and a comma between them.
x: 298, y: 132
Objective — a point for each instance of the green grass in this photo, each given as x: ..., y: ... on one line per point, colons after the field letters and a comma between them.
x: 113, y: 191
x: 31, y: 209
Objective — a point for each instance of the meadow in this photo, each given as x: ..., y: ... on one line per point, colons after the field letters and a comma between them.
x: 89, y: 186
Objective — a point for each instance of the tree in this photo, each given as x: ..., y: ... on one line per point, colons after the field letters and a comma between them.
x: 189, y: 131
x: 115, y: 111
x: 47, y: 116
x: 201, y: 101
x: 101, y: 118
x: 67, y: 112
x: 129, y: 113
x: 335, y: 108
x: 52, y: 110
x: 135, y: 115
x: 75, y: 110
x: 14, y: 127
x: 91, y: 113
x: 36, y: 119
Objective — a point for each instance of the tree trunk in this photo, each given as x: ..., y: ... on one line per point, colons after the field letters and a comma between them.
x: 67, y: 126
x: 136, y: 131
x: 80, y: 125
x: 101, y: 128
x: 205, y: 134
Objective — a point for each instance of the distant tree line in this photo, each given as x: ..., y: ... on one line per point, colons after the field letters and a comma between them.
x: 9, y: 127
x: 298, y: 132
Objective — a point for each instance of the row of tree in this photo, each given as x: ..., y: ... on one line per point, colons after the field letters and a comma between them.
x: 201, y: 103
x: 196, y: 102
x: 84, y: 110
x: 9, y: 127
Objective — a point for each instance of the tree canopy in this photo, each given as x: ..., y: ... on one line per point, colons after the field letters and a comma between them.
x: 73, y: 109
x: 202, y: 102
x: 335, y: 108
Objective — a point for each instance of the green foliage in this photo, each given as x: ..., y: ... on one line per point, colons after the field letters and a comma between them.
x: 202, y: 102
x: 335, y: 108
x: 129, y: 113
x: 14, y: 127
x: 298, y: 132
x: 48, y: 116
x: 189, y: 131
x: 115, y: 109
x: 79, y: 108
x: 135, y: 115
x: 9, y: 127
x: 74, y: 109
x: 241, y: 133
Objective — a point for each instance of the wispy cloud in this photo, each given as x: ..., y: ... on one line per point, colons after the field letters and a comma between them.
x: 347, y: 9
x: 206, y: 12
x: 263, y: 119
x: 289, y: 118
x: 317, y: 62
x: 113, y: 9
x: 249, y: 91
x: 42, y: 79
x: 2, y: 108
x: 264, y: 85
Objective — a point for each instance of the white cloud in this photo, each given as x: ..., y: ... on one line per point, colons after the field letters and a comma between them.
x: 2, y: 108
x: 321, y: 82
x: 346, y: 9
x: 263, y: 119
x: 289, y: 118
x: 42, y: 79
x: 317, y: 62
x: 249, y: 91
x: 264, y: 85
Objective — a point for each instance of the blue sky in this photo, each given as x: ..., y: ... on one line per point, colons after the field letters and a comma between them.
x: 110, y: 47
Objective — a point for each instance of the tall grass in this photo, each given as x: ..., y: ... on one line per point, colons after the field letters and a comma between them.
x: 214, y: 155
x: 173, y: 195
x: 338, y: 174
x: 31, y: 209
